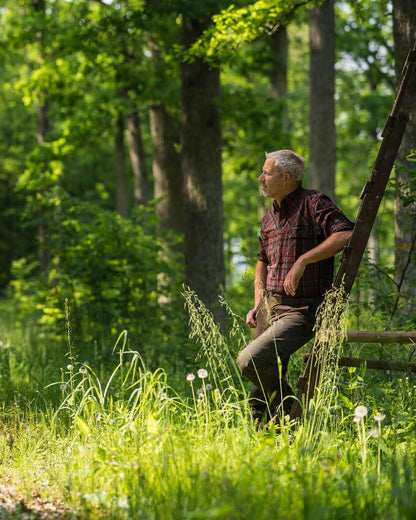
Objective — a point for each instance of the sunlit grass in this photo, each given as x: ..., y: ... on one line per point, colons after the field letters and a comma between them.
x: 130, y: 446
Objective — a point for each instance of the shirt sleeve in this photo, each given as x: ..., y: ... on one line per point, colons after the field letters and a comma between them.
x: 328, y: 218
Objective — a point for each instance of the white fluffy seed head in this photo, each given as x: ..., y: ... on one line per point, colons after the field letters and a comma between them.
x: 361, y: 411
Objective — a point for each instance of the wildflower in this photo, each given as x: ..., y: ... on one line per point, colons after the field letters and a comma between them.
x: 190, y: 377
x: 208, y: 387
x: 379, y: 417
x: 83, y: 370
x: 293, y: 468
x: 361, y: 411
x: 374, y: 432
x: 63, y: 387
x: 70, y: 367
x: 202, y: 373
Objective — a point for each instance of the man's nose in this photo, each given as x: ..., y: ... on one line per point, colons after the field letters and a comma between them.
x: 260, y: 179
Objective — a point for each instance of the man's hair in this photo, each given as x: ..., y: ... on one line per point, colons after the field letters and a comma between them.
x: 290, y: 162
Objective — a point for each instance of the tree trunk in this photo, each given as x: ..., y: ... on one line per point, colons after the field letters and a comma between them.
x: 167, y: 171
x: 201, y: 166
x: 122, y: 195
x: 404, y: 31
x: 137, y: 159
x: 278, y: 80
x: 42, y: 108
x: 322, y: 142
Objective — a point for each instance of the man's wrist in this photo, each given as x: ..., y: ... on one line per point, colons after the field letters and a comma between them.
x: 302, y: 261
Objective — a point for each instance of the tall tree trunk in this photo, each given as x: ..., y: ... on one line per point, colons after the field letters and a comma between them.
x: 404, y: 32
x: 201, y: 166
x: 137, y: 159
x: 322, y: 142
x: 167, y: 171
x: 122, y: 194
x: 43, y: 127
x: 278, y: 80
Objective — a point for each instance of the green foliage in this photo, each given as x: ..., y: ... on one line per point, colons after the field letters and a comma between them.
x: 237, y: 25
x: 129, y: 445
x: 114, y: 273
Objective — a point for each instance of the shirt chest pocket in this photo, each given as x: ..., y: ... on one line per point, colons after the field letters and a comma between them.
x: 270, y: 244
x: 303, y: 232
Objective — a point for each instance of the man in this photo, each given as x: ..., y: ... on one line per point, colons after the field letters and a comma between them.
x: 300, y: 234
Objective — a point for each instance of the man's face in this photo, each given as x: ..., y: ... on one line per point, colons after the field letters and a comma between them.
x: 272, y: 182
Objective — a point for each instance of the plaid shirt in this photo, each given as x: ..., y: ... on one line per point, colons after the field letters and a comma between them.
x: 304, y: 220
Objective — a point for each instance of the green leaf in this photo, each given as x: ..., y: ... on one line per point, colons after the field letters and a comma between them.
x: 82, y: 426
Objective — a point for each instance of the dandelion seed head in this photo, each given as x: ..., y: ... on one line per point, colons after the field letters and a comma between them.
x: 63, y: 387
x: 83, y: 370
x: 202, y: 373
x: 70, y: 367
x: 208, y: 387
x: 190, y: 377
x: 374, y: 432
x: 361, y: 411
x: 379, y: 417
x: 356, y: 419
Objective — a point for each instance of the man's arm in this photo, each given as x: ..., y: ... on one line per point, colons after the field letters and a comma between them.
x: 326, y: 249
x: 259, y: 286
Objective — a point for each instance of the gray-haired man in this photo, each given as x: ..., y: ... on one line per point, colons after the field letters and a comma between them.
x: 300, y: 234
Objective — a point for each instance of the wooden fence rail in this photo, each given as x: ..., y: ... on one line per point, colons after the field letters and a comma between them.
x: 371, y: 336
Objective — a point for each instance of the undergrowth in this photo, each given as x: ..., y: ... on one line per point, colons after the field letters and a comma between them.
x: 131, y: 446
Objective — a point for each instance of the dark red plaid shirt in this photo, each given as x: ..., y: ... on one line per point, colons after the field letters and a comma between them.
x: 304, y: 220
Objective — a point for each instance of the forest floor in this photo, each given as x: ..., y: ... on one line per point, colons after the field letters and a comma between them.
x: 13, y: 506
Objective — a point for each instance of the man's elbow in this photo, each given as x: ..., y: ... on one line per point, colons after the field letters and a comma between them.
x: 345, y: 237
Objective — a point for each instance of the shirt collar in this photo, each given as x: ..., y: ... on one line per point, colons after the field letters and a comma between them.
x: 290, y: 197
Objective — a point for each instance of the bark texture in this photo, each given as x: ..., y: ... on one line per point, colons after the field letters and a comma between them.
x: 137, y: 159
x: 201, y: 166
x: 122, y: 194
x: 278, y: 80
x: 167, y: 171
x: 404, y: 31
x: 43, y: 128
x: 322, y: 140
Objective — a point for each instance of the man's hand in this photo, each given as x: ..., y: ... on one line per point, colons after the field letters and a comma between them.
x: 251, y: 319
x: 293, y: 277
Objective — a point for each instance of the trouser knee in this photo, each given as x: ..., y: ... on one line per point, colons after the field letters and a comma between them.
x: 245, y: 362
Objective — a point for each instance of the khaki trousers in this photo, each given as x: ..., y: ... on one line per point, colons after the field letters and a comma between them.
x: 281, y: 330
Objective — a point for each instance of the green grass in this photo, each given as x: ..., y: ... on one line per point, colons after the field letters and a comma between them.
x: 128, y: 445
